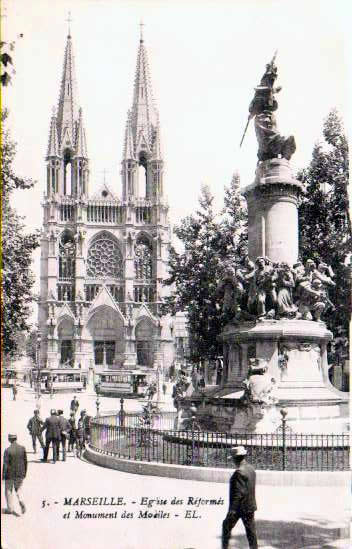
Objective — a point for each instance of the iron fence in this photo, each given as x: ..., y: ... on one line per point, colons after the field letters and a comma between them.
x: 282, y: 450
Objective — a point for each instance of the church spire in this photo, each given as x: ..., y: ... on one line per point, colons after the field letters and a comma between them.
x: 67, y: 150
x: 142, y: 145
x: 67, y: 113
x: 144, y: 115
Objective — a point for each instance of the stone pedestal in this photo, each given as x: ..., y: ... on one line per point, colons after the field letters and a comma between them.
x: 300, y: 384
x: 272, y: 212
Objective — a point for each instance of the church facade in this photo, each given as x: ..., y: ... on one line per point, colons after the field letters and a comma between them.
x: 104, y: 257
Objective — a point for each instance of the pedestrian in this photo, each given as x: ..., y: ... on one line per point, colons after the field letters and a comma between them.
x: 52, y: 434
x: 74, y: 405
x: 13, y: 472
x: 242, y: 504
x: 80, y: 437
x: 86, y: 425
x: 164, y: 388
x: 34, y: 426
x: 14, y: 391
x: 73, y: 433
x: 65, y: 429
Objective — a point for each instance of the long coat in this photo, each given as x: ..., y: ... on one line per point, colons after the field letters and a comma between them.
x: 52, y: 428
x: 64, y: 424
x: 35, y: 425
x: 242, y: 490
x: 15, y: 462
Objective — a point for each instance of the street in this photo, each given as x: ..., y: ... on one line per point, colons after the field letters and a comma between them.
x: 144, y: 512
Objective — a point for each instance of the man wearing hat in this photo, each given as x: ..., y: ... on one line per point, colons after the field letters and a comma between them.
x: 65, y: 429
x: 34, y: 426
x: 242, y: 503
x: 13, y: 472
x: 52, y: 434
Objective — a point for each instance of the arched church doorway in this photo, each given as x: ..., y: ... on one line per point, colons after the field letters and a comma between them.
x: 144, y: 343
x: 106, y: 330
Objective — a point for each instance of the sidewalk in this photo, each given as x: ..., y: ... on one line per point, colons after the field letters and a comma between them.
x: 287, y: 518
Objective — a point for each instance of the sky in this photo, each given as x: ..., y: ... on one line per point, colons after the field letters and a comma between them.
x: 205, y: 59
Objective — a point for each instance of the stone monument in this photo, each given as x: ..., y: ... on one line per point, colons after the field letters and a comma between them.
x: 275, y: 345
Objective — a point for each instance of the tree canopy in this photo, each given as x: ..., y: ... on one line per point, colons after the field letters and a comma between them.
x: 209, y: 240
x: 324, y: 221
x: 17, y: 248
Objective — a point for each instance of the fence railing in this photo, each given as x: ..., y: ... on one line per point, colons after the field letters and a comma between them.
x: 166, y: 420
x: 282, y: 450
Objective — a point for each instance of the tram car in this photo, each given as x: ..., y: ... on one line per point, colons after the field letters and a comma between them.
x: 59, y: 380
x: 121, y: 383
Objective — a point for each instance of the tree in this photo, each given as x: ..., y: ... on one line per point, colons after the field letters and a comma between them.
x: 208, y: 243
x: 325, y: 225
x: 17, y: 248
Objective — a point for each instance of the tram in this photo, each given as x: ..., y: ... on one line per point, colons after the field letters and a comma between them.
x: 122, y: 383
x: 60, y: 379
x: 9, y: 377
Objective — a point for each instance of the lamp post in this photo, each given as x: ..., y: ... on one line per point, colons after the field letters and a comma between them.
x: 39, y: 339
x: 122, y: 413
x: 283, y: 421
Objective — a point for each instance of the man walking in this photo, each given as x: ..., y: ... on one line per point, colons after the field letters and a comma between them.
x: 13, y: 472
x: 65, y: 429
x: 52, y: 434
x: 14, y: 391
x: 242, y: 503
x: 74, y: 405
x: 34, y: 426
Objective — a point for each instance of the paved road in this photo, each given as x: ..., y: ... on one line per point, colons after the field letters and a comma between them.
x: 56, y: 518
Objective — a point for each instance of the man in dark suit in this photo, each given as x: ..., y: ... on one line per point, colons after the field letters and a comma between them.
x: 34, y: 427
x: 242, y: 503
x: 65, y: 429
x: 13, y: 472
x: 52, y: 434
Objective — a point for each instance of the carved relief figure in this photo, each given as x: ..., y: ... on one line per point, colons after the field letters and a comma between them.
x: 285, y: 284
x: 231, y: 290
x: 265, y: 278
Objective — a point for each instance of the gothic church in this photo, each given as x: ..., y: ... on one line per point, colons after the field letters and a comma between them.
x: 103, y: 258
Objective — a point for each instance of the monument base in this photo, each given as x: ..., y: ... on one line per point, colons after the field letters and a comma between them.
x: 292, y: 355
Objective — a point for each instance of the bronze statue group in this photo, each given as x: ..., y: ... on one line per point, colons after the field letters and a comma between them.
x: 267, y: 290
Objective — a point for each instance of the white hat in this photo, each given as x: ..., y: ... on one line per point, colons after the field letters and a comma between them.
x: 238, y: 451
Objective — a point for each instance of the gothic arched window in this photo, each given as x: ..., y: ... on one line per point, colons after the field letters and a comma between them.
x: 66, y: 257
x: 104, y: 258
x: 143, y: 259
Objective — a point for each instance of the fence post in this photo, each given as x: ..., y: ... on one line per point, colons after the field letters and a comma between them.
x: 283, y: 425
x: 122, y: 413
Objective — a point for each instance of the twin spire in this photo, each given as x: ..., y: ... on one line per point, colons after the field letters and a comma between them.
x: 67, y: 129
x: 142, y: 135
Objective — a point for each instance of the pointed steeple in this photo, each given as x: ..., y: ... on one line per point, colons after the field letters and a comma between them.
x: 68, y: 172
x: 157, y: 153
x: 53, y: 147
x: 144, y: 115
x: 68, y: 99
x: 128, y: 153
x: 81, y: 143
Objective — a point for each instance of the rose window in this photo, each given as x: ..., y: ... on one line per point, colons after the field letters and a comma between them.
x: 104, y: 259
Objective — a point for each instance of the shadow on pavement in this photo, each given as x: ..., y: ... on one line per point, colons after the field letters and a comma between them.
x: 318, y: 534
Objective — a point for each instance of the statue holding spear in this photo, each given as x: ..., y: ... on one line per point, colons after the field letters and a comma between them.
x: 271, y: 143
